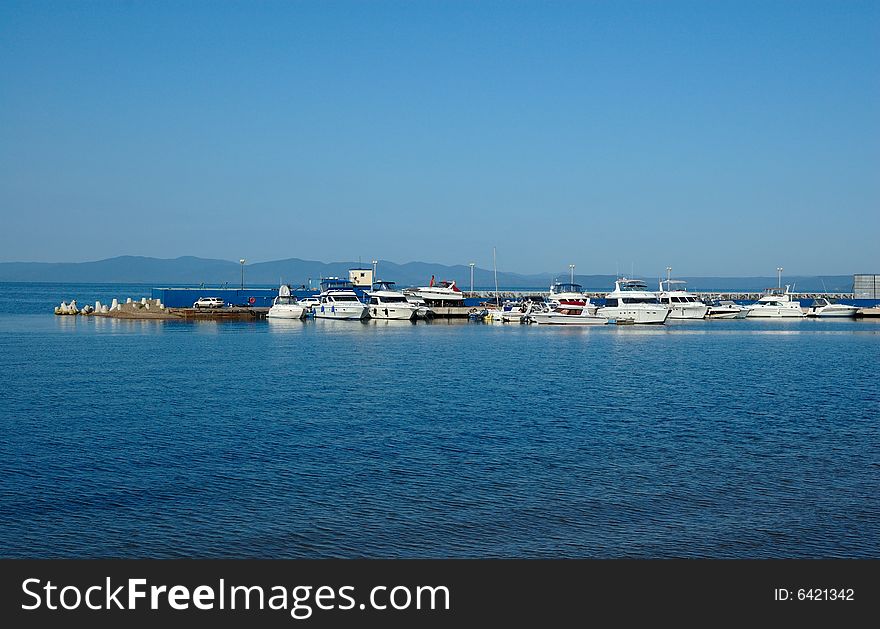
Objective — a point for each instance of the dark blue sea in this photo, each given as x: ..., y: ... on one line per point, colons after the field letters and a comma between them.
x: 341, y: 439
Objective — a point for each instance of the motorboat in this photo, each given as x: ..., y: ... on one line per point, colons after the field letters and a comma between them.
x: 339, y: 301
x: 822, y: 307
x: 631, y: 301
x: 478, y: 314
x: 519, y: 311
x: 309, y: 303
x: 386, y: 302
x: 286, y: 306
x: 776, y: 303
x: 567, y: 314
x: 440, y: 294
x: 682, y: 304
x: 567, y: 293
x: 726, y: 309
x: 494, y: 315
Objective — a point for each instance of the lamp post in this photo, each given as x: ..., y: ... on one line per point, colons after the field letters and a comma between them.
x: 779, y: 270
x: 472, y: 265
x: 571, y: 272
x: 375, y: 266
x: 241, y: 262
x: 668, y: 274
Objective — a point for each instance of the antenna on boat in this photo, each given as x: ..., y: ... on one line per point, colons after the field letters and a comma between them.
x: 495, y: 269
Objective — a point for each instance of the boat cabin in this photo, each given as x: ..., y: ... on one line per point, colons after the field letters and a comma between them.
x: 336, y: 283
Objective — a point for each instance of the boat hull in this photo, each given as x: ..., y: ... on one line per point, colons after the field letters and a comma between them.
x: 286, y: 312
x: 391, y: 312
x: 837, y: 313
x: 641, y: 316
x: 726, y: 314
x: 691, y: 311
x: 775, y: 313
x: 344, y: 312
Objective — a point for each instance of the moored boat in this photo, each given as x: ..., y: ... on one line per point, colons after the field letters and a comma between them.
x: 441, y: 294
x: 682, y: 304
x: 339, y: 301
x: 632, y: 301
x: 386, y: 302
x: 286, y: 306
x: 726, y: 309
x: 777, y: 303
x: 567, y: 314
x: 568, y: 294
x: 822, y: 307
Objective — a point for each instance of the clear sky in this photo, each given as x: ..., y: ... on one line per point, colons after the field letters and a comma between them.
x: 721, y: 138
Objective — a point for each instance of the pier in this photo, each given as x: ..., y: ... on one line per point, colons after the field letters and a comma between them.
x: 489, y: 295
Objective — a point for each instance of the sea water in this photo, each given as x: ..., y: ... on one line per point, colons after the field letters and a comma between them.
x: 326, y: 438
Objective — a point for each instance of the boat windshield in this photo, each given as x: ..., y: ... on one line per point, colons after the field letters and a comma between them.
x: 393, y: 300
x: 344, y: 297
x: 640, y: 300
x: 567, y: 288
x: 335, y: 283
x: 671, y: 285
x: 634, y: 285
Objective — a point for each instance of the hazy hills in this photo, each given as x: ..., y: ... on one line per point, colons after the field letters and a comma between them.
x: 190, y: 270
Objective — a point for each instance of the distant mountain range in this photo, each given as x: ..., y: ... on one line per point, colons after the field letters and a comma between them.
x: 189, y: 271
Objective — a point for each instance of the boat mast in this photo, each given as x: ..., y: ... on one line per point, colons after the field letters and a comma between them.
x: 495, y: 269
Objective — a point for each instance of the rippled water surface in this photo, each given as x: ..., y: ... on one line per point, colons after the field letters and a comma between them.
x: 340, y: 439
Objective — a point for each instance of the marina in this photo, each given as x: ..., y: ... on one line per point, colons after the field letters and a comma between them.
x: 361, y: 297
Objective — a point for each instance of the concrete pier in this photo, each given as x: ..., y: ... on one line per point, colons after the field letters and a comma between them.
x: 704, y: 295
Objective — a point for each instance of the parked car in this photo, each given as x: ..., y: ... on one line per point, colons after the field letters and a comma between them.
x: 208, y: 302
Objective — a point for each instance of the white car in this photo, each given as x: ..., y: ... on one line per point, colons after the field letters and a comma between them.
x: 209, y: 302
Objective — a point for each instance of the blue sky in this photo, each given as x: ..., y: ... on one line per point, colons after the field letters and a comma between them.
x: 720, y: 138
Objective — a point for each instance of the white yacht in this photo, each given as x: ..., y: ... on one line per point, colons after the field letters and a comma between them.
x: 386, y: 302
x: 285, y: 306
x: 309, y: 303
x: 822, y: 307
x: 632, y: 302
x: 443, y: 293
x: 681, y: 304
x: 776, y: 303
x: 726, y: 310
x: 567, y: 314
x: 567, y: 294
x: 339, y: 301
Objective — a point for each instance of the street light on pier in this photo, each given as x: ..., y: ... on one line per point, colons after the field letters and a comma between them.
x: 779, y: 270
x: 375, y: 266
x: 668, y: 274
x: 571, y: 272
x: 472, y: 265
x: 241, y: 262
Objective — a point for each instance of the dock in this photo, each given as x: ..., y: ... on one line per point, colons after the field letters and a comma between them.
x: 218, y: 314
x: 490, y: 295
